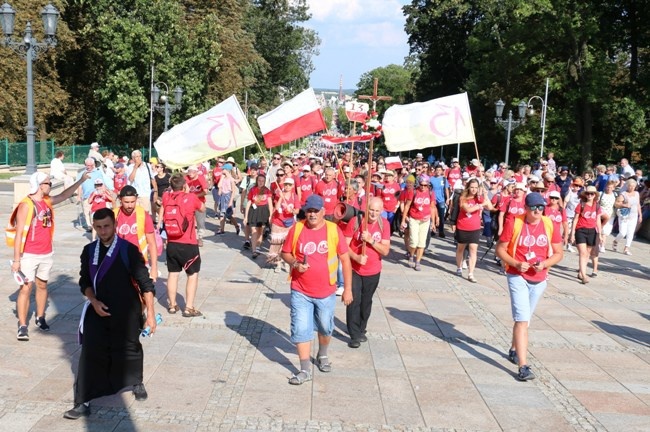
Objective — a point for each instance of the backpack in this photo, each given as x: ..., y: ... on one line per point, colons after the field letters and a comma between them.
x: 176, y: 223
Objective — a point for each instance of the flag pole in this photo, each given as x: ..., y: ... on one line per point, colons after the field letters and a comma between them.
x: 368, y: 178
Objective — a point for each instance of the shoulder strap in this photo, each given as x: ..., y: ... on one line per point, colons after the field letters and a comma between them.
x: 124, y: 256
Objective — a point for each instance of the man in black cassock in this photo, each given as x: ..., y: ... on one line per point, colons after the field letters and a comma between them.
x: 116, y: 283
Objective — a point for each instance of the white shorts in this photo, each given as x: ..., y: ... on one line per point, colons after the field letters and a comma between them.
x: 36, y: 266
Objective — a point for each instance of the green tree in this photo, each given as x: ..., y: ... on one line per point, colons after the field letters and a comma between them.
x: 394, y: 81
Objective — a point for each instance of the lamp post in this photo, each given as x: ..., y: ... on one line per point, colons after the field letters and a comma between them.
x: 28, y: 47
x: 165, y: 107
x: 509, y: 124
x: 531, y: 111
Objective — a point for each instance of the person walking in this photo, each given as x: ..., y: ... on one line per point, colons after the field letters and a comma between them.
x: 197, y: 184
x: 529, y: 245
x: 87, y: 187
x: 141, y: 177
x: 312, y: 249
x: 177, y: 213
x: 112, y: 317
x: 422, y: 214
x: 607, y: 200
x: 367, y: 245
x: 628, y: 209
x: 283, y: 217
x: 587, y: 230
x: 31, y: 235
x: 257, y: 216
x: 227, y: 187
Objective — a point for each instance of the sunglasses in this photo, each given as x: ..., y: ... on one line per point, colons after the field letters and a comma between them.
x: 277, y: 158
x: 554, y: 198
x: 99, y: 185
x: 47, y: 183
x: 537, y: 207
x: 590, y: 194
x: 280, y: 174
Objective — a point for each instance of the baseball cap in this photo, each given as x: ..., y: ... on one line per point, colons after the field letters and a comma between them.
x: 99, y: 181
x: 313, y: 202
x: 454, y: 160
x: 535, y: 199
x: 35, y: 181
x: 94, y: 145
x: 289, y: 180
x: 306, y: 168
x: 475, y: 162
x: 554, y: 194
x: 119, y: 165
x: 230, y: 159
x: 533, y: 179
x: 419, y: 155
x: 128, y: 190
x: 228, y: 167
x: 521, y: 186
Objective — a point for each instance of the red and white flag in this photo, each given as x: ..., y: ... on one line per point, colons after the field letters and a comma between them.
x: 296, y: 118
x: 434, y: 123
x: 393, y: 162
x: 329, y: 139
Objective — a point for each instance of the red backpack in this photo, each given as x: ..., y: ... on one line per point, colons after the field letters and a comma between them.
x: 175, y: 221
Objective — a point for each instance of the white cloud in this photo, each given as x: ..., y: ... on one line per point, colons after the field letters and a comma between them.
x: 354, y: 10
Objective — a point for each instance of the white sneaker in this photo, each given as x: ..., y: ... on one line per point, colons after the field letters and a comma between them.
x: 571, y: 249
x: 601, y: 249
x: 339, y: 291
x: 465, y: 264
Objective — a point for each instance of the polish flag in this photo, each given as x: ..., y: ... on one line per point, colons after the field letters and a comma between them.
x: 296, y: 118
x: 329, y: 139
x: 393, y: 162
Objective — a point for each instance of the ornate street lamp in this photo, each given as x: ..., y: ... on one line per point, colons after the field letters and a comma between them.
x: 28, y: 47
x: 509, y: 124
x: 165, y: 107
x: 531, y: 111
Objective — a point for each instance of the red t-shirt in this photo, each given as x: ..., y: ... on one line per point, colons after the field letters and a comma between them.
x: 512, y: 208
x: 588, y: 217
x: 287, y: 207
x: 470, y: 221
x: 388, y: 195
x: 406, y: 195
x: 189, y: 203
x: 119, y: 181
x: 39, y: 237
x: 306, y: 185
x: 127, y: 226
x: 557, y: 215
x: 97, y: 201
x: 216, y: 174
x: 532, y: 239
x: 197, y: 186
x: 421, y: 205
x: 259, y: 198
x: 453, y: 174
x: 352, y: 230
x: 329, y: 193
x: 315, y: 282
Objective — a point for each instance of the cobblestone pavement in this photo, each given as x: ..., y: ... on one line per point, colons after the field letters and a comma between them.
x: 435, y: 359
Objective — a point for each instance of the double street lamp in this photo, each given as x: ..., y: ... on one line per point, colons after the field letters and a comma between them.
x: 165, y: 107
x: 509, y: 124
x: 28, y: 48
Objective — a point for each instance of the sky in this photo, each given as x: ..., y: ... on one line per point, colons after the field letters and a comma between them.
x: 356, y: 37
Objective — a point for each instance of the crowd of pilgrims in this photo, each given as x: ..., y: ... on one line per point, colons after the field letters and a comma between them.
x: 270, y: 192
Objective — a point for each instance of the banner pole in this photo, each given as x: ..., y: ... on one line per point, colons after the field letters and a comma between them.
x: 369, y: 177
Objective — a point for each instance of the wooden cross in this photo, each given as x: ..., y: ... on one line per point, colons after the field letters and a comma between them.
x: 374, y: 98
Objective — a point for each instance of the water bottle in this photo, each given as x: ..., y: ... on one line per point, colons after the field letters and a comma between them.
x: 146, y: 331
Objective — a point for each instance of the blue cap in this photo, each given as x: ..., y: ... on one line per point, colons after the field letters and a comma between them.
x: 313, y: 202
x: 227, y: 167
x: 535, y: 199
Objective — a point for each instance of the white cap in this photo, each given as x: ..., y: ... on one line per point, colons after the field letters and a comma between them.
x: 288, y: 180
x: 465, y: 176
x: 230, y: 159
x: 454, y: 160
x: 192, y: 168
x: 94, y: 145
x: 554, y: 194
x: 475, y: 162
x: 419, y: 155
x: 306, y: 168
x: 35, y: 181
x: 533, y: 178
x: 521, y: 186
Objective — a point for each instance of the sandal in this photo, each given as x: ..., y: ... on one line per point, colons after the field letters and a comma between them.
x: 300, y: 378
x: 255, y: 255
x: 191, y: 312
x: 471, y: 278
x: 323, y: 364
x: 172, y: 309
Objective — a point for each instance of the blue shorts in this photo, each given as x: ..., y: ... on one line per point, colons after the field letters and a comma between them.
x: 308, y: 313
x: 524, y: 296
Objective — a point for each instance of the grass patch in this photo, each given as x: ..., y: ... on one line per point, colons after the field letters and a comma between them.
x: 8, y: 175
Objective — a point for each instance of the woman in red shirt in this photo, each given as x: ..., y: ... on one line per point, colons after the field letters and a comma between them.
x: 422, y: 213
x: 468, y: 225
x: 587, y: 228
x: 258, y: 211
x: 285, y: 209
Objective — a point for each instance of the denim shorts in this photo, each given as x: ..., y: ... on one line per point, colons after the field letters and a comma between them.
x: 308, y: 313
x: 524, y: 296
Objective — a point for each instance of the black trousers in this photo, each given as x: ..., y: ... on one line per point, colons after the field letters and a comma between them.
x: 358, y: 312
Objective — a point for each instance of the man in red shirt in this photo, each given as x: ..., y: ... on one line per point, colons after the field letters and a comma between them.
x: 134, y: 224
x: 306, y: 184
x: 367, y: 246
x: 197, y: 185
x: 529, y: 246
x: 454, y: 173
x: 311, y: 249
x: 182, y: 251
x: 33, y: 220
x: 327, y: 188
x: 389, y: 195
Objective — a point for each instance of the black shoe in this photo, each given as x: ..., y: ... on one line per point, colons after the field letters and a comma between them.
x: 40, y: 323
x: 23, y: 333
x: 247, y: 245
x: 362, y: 338
x: 80, y: 410
x: 140, y: 392
x: 441, y: 235
x: 525, y: 374
x: 354, y: 343
x: 88, y: 229
x: 512, y: 356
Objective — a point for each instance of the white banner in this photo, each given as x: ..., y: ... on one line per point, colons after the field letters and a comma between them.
x: 356, y: 111
x: 218, y: 131
x: 420, y: 125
